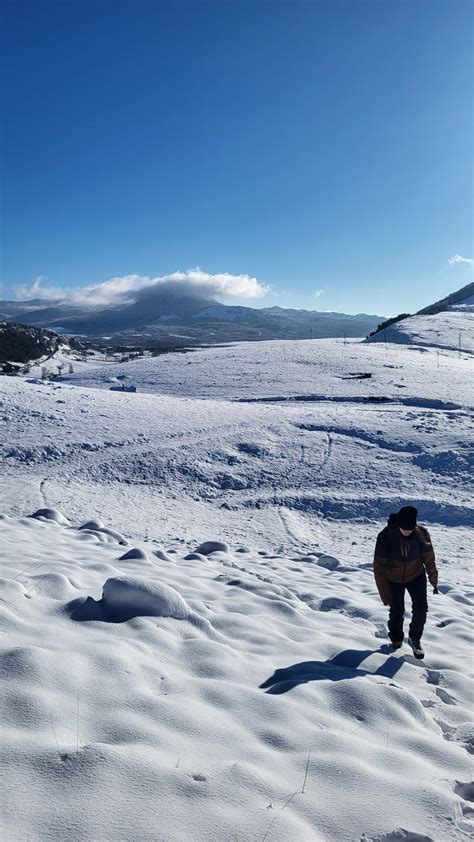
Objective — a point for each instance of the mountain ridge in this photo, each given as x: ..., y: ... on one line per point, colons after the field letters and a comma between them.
x: 462, y: 295
x: 160, y: 311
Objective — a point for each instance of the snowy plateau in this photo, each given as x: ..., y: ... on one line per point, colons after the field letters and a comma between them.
x: 193, y: 646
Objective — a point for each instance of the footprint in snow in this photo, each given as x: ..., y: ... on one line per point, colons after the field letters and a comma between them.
x: 448, y: 730
x: 399, y: 835
x: 445, y: 697
x: 433, y: 677
x: 465, y: 790
x: 466, y: 794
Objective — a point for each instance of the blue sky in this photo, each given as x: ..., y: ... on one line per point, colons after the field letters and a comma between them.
x: 318, y: 152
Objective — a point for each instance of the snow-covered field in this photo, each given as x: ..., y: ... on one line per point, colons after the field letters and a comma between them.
x: 158, y: 687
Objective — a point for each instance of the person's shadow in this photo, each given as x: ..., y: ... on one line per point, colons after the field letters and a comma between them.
x: 343, y: 666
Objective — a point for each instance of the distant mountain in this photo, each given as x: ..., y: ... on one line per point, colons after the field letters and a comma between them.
x: 166, y: 310
x: 302, y: 315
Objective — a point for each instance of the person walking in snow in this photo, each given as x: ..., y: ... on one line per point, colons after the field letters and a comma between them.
x: 403, y: 556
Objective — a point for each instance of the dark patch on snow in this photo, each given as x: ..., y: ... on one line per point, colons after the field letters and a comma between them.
x: 399, y: 835
x: 465, y: 790
x: 356, y: 375
x: 343, y: 666
x: 253, y: 449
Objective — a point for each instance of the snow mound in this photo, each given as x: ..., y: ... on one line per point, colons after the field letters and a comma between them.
x: 112, y: 535
x: 162, y: 555
x: 104, y: 534
x: 92, y: 525
x: 52, y: 515
x: 123, y: 596
x: 209, y: 547
x: 53, y: 585
x: 328, y: 561
x: 10, y: 590
x: 134, y: 553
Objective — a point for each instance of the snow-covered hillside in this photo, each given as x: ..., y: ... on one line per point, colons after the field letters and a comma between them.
x: 453, y: 328
x: 196, y: 650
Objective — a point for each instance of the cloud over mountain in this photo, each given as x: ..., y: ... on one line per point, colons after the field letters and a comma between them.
x: 128, y: 289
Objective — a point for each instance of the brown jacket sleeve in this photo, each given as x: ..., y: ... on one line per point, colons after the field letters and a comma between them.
x: 428, y: 556
x: 380, y: 563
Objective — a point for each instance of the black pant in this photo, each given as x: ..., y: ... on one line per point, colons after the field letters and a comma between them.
x: 417, y: 590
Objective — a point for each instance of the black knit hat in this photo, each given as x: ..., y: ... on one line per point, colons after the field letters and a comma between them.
x: 407, y: 517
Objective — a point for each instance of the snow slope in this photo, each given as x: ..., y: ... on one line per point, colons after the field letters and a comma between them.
x: 450, y: 329
x: 196, y: 650
x: 259, y: 468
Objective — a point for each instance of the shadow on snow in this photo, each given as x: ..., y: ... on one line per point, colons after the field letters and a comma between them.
x: 85, y: 609
x: 343, y: 666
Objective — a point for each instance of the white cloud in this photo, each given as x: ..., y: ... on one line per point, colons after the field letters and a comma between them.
x: 458, y: 259
x: 126, y: 289
x: 36, y: 290
x: 232, y: 286
x: 121, y: 290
